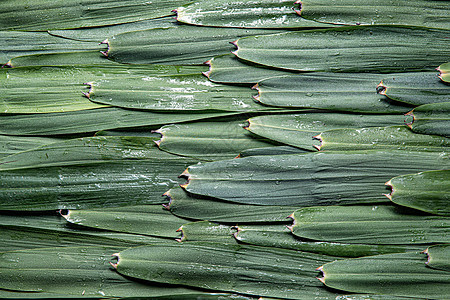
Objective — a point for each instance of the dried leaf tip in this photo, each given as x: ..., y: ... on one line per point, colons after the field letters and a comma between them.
x: 298, y: 10
x: 319, y: 138
x: 381, y: 88
x: 113, y: 265
x: 427, y: 252
x: 7, y: 65
x: 65, y: 213
x: 410, y: 114
x: 185, y: 173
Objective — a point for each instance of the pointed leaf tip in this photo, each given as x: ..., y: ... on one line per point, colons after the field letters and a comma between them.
x: 185, y: 174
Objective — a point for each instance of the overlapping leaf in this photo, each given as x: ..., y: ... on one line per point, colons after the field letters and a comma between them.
x: 299, y: 129
x: 425, y: 191
x: 369, y: 224
x: 415, y: 88
x: 144, y: 219
x: 395, y: 137
x: 444, y: 72
x: 374, y: 12
x: 331, y: 91
x: 88, y: 173
x: 245, y: 269
x: 208, y: 140
x: 205, y: 231
x: 402, y: 274
x: 185, y: 205
x: 438, y: 257
x: 431, y: 119
x: 308, y: 179
x: 65, y: 14
x: 245, y: 14
x: 349, y: 49
x: 12, y: 144
x: 90, y: 58
x: 183, y: 45
x: 228, y: 68
x: 269, y: 151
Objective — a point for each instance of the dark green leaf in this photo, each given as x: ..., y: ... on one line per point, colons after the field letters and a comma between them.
x: 438, y: 257
x: 205, y: 231
x: 444, y: 70
x: 431, y: 119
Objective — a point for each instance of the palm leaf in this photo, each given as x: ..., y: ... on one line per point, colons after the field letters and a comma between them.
x: 349, y: 12
x: 415, y: 89
x: 394, y: 137
x: 338, y: 92
x: 402, y: 274
x: 45, y: 15
x: 187, y: 44
x: 208, y: 140
x: 425, y: 191
x: 299, y: 129
x: 308, y: 179
x: 348, y: 49
x: 144, y: 219
x: 245, y: 14
x: 221, y: 267
x: 369, y: 225
x: 431, y: 119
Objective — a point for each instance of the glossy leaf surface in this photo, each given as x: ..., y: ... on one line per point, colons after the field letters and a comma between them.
x: 431, y: 119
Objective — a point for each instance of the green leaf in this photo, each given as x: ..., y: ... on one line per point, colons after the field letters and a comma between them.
x: 308, y: 179
x: 444, y: 70
x: 144, y: 219
x: 173, y: 93
x: 282, y: 238
x: 208, y: 140
x: 82, y: 271
x: 370, y: 225
x: 298, y: 130
x: 227, y: 267
x: 14, y: 144
x: 183, y: 45
x: 269, y: 151
x: 349, y: 49
x: 188, y: 206
x: 88, y: 173
x: 431, y: 119
x: 350, y: 12
x: 415, y: 88
x: 37, y: 43
x: 438, y: 257
x: 89, y: 58
x: 339, y: 92
x: 98, y: 34
x: 93, y: 120
x: 228, y: 68
x: 425, y: 191
x: 245, y: 14
x: 401, y: 274
x: 205, y: 231
x: 46, y: 15
x: 372, y: 138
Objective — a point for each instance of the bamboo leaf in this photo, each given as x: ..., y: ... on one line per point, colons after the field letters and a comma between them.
x: 82, y: 271
x: 415, y: 88
x: 46, y: 15
x: 298, y: 130
x: 369, y: 225
x: 348, y: 49
x: 37, y: 43
x: 243, y: 269
x: 438, y: 257
x: 188, y: 206
x: 93, y: 120
x: 144, y: 219
x: 173, y: 93
x: 187, y: 45
x: 208, y: 140
x: 431, y: 119
x: 282, y: 238
x: 88, y: 173
x: 349, y: 12
x: 228, y: 68
x: 394, y: 137
x: 332, y: 91
x: 245, y: 14
x: 444, y: 72
x: 402, y: 274
x: 308, y: 179
x: 425, y: 191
